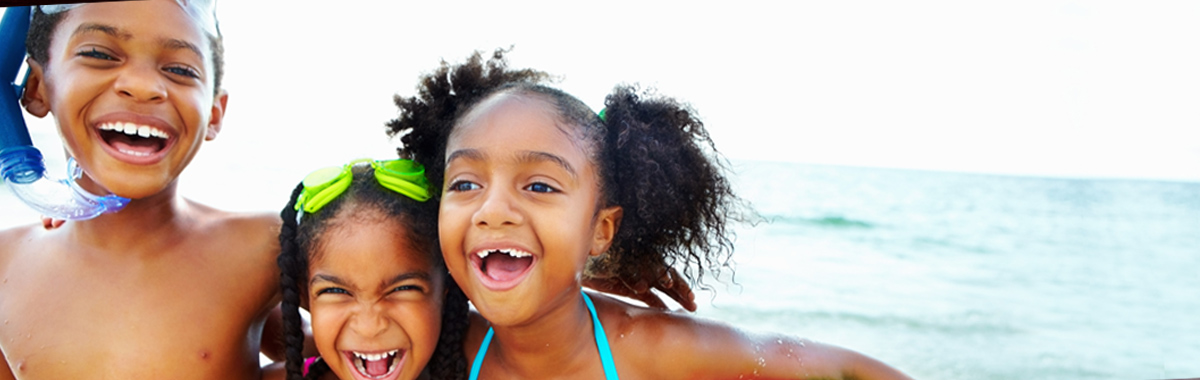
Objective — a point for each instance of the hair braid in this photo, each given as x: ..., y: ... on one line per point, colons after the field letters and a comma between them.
x: 448, y: 361
x: 292, y: 267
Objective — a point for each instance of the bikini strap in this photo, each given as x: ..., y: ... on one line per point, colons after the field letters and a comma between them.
x: 606, y: 359
x: 487, y: 340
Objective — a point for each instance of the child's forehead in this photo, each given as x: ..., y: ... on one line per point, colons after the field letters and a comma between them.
x: 202, y: 13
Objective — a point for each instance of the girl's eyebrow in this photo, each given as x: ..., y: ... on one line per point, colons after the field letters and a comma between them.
x: 420, y: 275
x: 524, y: 157
x: 469, y: 154
x: 529, y: 156
x: 328, y: 278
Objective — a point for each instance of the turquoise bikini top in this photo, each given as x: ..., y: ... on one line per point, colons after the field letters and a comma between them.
x: 610, y: 369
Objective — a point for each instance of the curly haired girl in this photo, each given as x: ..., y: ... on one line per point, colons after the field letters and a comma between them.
x: 534, y: 185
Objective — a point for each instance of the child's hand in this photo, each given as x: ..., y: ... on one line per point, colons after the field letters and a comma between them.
x: 669, y: 283
x: 50, y: 223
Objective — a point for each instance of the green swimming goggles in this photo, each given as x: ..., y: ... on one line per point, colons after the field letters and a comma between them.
x: 326, y: 184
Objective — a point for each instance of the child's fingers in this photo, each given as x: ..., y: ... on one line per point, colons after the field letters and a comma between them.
x: 675, y: 287
x: 50, y: 223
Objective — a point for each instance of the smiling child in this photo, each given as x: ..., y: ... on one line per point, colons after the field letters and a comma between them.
x: 360, y: 253
x: 167, y: 287
x: 535, y: 185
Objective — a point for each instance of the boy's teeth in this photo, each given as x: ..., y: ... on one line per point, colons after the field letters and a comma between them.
x: 134, y: 130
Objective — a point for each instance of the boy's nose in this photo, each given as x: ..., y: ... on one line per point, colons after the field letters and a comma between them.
x: 141, y: 83
x: 369, y: 321
x: 498, y: 209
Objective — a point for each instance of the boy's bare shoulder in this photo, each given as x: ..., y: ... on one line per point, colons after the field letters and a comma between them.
x: 12, y: 238
x: 245, y: 230
x: 689, y: 347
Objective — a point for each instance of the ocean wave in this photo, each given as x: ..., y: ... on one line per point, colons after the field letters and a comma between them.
x: 831, y: 221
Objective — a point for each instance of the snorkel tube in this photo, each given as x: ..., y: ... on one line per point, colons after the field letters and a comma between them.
x: 20, y: 163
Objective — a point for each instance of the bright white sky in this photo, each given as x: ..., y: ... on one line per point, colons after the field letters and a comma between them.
x: 1057, y: 88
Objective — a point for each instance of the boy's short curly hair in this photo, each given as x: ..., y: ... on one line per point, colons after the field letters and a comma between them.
x: 41, y: 33
x: 655, y: 160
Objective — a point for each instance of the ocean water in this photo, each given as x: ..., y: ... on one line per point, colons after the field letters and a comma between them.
x: 943, y: 275
x: 968, y: 276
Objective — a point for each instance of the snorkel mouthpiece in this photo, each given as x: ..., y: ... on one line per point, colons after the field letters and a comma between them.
x: 21, y: 164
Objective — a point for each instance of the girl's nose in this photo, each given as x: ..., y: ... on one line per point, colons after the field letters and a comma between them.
x: 497, y: 210
x: 141, y: 82
x: 369, y: 321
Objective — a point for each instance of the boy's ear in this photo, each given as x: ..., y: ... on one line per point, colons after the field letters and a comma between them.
x: 217, y: 117
x: 607, y: 223
x: 34, y: 97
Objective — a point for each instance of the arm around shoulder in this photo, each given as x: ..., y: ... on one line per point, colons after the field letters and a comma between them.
x: 723, y: 352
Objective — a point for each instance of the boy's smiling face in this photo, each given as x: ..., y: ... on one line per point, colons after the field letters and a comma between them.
x: 376, y: 303
x: 130, y: 85
x: 518, y: 217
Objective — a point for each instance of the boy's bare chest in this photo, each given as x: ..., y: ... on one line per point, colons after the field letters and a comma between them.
x: 101, y: 319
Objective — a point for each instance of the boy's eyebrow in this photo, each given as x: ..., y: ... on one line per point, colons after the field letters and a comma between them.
x: 177, y: 44
x: 89, y: 27
x: 169, y: 43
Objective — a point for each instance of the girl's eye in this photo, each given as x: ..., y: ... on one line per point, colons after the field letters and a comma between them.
x: 539, y: 187
x: 182, y: 71
x: 93, y: 53
x: 403, y: 288
x: 462, y: 185
x: 332, y: 291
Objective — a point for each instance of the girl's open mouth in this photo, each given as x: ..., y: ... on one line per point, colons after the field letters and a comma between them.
x: 384, y: 365
x: 502, y: 269
x: 135, y: 142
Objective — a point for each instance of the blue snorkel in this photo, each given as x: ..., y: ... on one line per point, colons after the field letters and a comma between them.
x: 20, y: 163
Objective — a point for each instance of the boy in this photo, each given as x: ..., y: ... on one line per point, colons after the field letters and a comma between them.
x: 165, y: 288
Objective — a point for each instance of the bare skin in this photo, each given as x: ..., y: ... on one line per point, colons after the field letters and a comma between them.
x: 167, y: 288
x: 684, y: 347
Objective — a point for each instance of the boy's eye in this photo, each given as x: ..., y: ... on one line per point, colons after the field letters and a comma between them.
x: 182, y: 71
x: 539, y: 187
x: 461, y: 185
x: 93, y: 53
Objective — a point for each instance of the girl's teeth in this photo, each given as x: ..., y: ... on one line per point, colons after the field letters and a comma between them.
x: 510, y: 252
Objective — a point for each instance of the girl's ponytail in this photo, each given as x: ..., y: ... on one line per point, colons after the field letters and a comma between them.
x: 662, y: 168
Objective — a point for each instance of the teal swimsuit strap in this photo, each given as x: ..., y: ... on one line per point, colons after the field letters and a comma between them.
x: 606, y: 359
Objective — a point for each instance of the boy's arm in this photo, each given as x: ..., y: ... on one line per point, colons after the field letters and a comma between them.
x: 718, y: 351
x: 670, y: 283
x: 273, y: 345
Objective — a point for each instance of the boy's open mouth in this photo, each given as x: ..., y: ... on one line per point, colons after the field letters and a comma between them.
x: 132, y: 139
x: 377, y: 365
x: 502, y: 268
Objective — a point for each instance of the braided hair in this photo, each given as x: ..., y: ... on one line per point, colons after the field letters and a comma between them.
x: 299, y: 242
x: 656, y: 161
